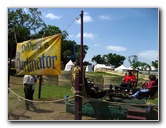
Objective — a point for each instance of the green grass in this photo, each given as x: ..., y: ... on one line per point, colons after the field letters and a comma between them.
x: 53, y: 92
x: 155, y: 101
x: 48, y: 92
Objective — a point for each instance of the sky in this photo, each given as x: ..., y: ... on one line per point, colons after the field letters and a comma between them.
x: 123, y: 31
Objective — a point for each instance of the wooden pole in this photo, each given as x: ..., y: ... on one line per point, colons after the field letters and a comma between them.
x: 40, y: 83
x: 78, y: 87
x: 77, y: 93
x: 81, y: 46
x: 40, y: 78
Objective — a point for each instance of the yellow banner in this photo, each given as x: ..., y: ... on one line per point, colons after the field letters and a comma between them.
x: 39, y: 56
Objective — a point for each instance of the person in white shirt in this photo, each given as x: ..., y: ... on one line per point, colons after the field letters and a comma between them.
x: 28, y: 82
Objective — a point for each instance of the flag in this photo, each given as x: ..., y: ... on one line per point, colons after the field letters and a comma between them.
x: 39, y: 56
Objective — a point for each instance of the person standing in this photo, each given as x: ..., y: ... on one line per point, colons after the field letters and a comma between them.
x: 28, y: 82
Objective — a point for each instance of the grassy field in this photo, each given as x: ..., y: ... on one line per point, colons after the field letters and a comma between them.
x: 48, y: 92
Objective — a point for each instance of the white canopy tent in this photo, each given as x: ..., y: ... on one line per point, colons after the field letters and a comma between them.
x: 69, y: 66
x: 121, y: 68
x: 88, y: 68
x: 153, y: 68
x: 97, y: 66
x: 130, y: 68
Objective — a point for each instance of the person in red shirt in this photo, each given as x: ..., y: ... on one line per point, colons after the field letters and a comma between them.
x: 128, y: 80
x: 147, y: 86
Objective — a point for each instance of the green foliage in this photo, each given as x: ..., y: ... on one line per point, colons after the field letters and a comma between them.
x: 155, y: 101
x: 112, y: 59
x: 133, y: 60
x: 115, y: 59
x: 85, y: 63
x: 68, y: 50
x: 23, y: 23
x: 99, y: 59
x: 49, y: 30
x: 155, y: 64
x: 20, y: 25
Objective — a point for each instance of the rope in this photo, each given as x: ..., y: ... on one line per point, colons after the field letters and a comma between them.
x: 92, y: 99
x: 72, y: 22
x: 20, y: 97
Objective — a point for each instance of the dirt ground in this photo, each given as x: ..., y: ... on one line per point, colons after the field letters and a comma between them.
x: 48, y: 112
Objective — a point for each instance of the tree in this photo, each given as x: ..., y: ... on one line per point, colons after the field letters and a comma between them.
x: 98, y: 59
x: 115, y: 59
x: 143, y: 65
x: 50, y: 30
x: 67, y: 50
x: 23, y: 24
x: 112, y: 59
x: 85, y: 49
x: 133, y: 60
x: 155, y: 64
x: 85, y: 63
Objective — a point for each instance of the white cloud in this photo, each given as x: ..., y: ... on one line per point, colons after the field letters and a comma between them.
x: 104, y: 17
x: 52, y: 16
x: 87, y: 35
x: 86, y: 18
x: 149, y: 55
x: 116, y: 48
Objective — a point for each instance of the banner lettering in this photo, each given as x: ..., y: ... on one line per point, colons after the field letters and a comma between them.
x: 39, y: 56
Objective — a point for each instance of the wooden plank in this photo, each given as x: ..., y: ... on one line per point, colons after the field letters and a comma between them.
x: 136, y: 111
x: 136, y: 117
